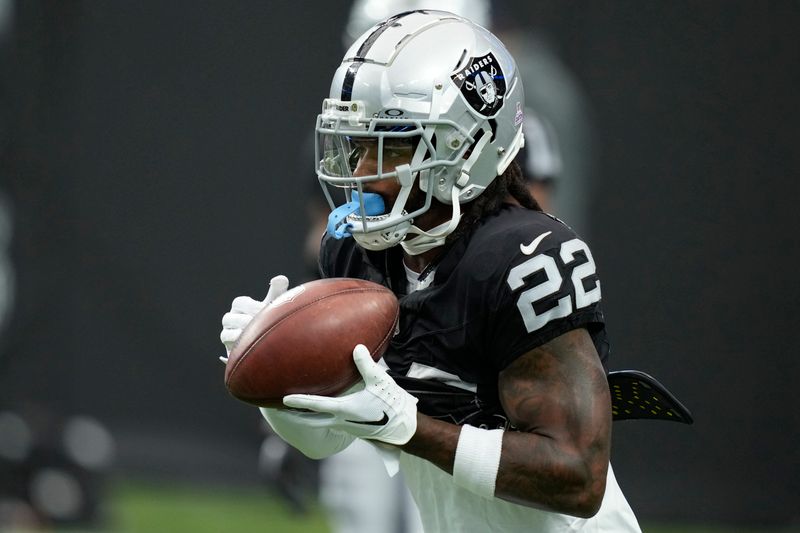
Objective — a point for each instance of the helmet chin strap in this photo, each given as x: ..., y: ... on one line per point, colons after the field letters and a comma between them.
x: 428, y: 240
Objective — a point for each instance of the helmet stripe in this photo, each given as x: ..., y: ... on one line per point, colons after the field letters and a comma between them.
x: 349, y: 79
x: 385, y: 25
x: 350, y: 76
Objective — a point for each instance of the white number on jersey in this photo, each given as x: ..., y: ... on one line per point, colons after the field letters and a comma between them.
x: 552, y: 283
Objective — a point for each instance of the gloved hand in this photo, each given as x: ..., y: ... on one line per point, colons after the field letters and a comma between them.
x: 244, y: 308
x: 313, y: 442
x: 382, y: 411
x: 291, y: 426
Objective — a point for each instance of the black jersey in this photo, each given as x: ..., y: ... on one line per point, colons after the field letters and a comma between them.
x: 516, y: 280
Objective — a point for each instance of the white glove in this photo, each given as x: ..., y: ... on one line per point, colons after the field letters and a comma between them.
x: 382, y: 411
x: 313, y: 442
x: 243, y: 309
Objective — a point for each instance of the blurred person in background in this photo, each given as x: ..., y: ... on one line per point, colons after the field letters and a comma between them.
x: 540, y: 160
x: 469, y: 467
x: 558, y: 129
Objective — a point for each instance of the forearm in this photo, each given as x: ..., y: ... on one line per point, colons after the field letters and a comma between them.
x: 435, y: 441
x: 535, y: 470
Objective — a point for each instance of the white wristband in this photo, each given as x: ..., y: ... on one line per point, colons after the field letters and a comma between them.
x: 478, y: 459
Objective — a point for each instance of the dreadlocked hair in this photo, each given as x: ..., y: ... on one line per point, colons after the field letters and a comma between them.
x: 510, y: 183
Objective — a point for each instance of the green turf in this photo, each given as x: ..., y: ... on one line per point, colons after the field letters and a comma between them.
x: 151, y: 508
x: 147, y: 507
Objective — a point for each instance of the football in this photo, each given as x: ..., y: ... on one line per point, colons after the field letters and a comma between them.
x: 302, y: 343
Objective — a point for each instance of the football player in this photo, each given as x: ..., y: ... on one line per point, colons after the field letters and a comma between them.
x: 493, y: 394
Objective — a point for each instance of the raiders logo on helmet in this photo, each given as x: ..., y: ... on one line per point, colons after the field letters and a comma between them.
x: 482, y: 83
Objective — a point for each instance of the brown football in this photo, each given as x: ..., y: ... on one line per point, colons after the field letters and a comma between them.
x: 303, y: 342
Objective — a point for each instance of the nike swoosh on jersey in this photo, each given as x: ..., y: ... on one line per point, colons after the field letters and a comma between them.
x: 529, y: 249
x: 381, y: 422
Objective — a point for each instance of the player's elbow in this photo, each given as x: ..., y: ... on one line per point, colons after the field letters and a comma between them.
x: 579, y: 488
x: 580, y: 501
x: 586, y: 502
x: 575, y: 492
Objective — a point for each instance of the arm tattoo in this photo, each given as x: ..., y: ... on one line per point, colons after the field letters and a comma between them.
x: 557, y: 397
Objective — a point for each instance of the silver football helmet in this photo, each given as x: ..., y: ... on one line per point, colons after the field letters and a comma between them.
x: 442, y: 85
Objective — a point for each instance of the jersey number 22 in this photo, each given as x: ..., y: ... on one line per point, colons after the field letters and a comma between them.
x: 552, y: 283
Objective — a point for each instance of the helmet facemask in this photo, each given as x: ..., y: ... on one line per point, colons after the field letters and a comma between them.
x: 405, y: 152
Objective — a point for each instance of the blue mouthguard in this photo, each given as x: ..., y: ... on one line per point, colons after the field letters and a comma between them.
x: 338, y: 228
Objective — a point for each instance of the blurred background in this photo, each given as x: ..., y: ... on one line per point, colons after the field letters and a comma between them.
x: 154, y: 164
